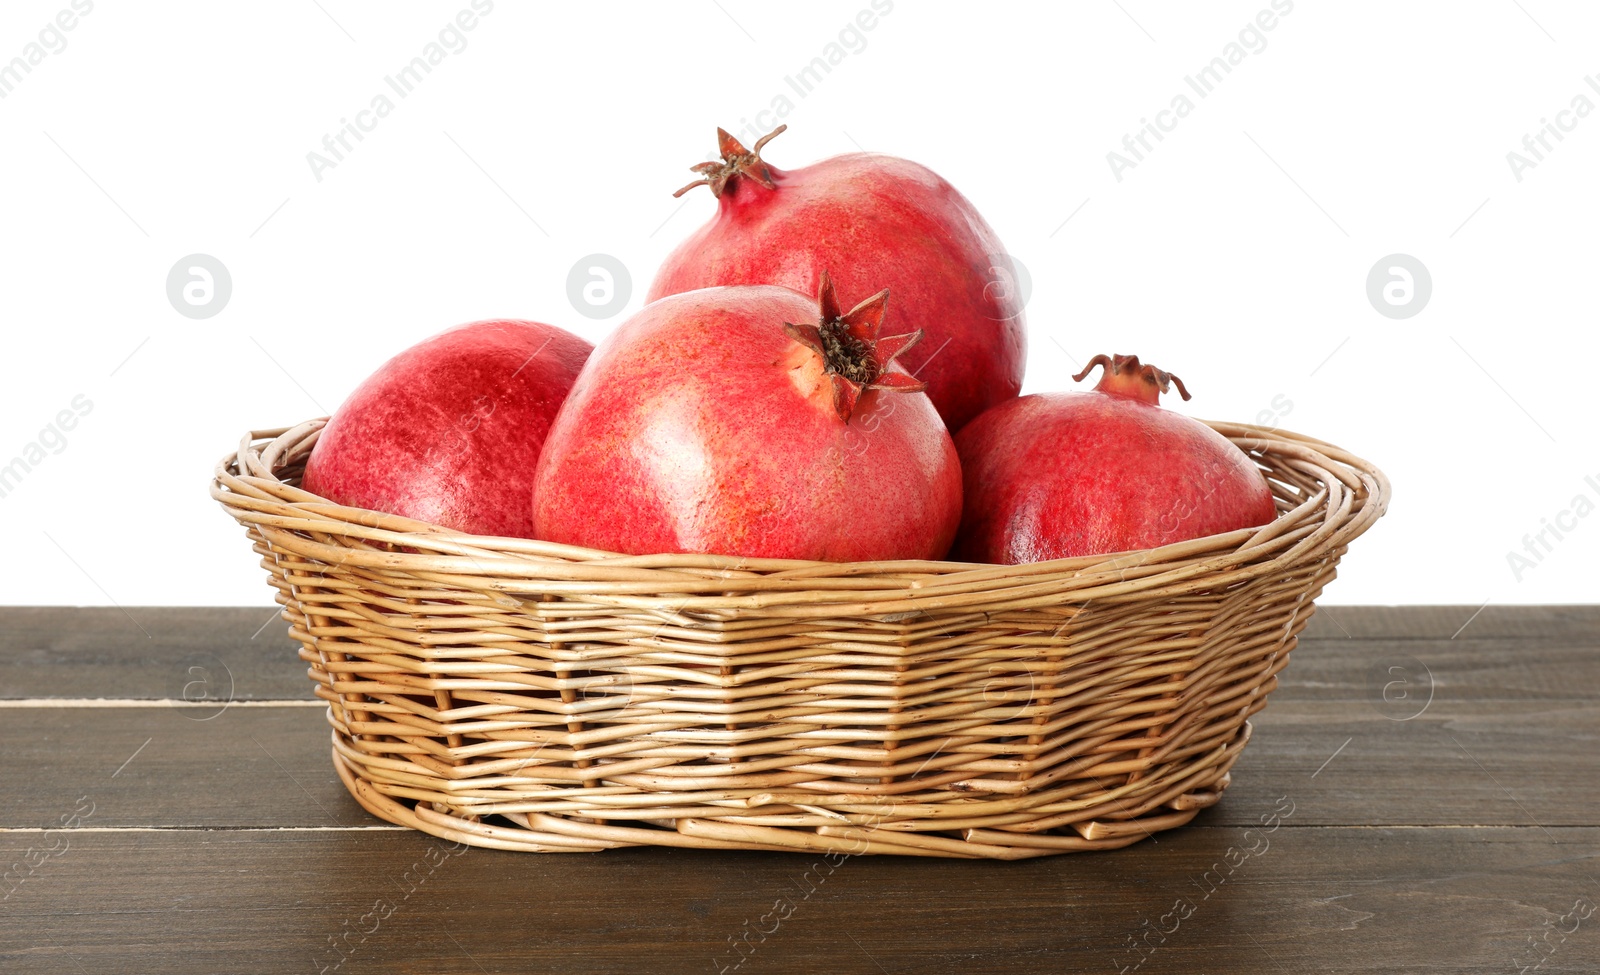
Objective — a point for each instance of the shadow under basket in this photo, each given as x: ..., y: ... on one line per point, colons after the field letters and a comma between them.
x: 523, y: 695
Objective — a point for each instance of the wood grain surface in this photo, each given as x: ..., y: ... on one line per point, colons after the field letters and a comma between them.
x: 1419, y: 796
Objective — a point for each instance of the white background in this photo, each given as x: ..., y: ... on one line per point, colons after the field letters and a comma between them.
x: 1235, y: 254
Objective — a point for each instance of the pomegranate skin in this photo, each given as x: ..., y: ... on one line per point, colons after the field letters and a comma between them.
x: 1057, y: 475
x: 449, y: 431
x: 875, y: 221
x: 699, y: 425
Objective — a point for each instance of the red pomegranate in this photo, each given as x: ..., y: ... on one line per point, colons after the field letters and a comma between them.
x: 737, y: 421
x: 872, y: 221
x: 1055, y: 475
x: 449, y: 431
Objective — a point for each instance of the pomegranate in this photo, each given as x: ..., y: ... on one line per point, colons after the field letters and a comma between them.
x: 739, y: 421
x: 873, y: 221
x: 1054, y: 475
x: 449, y: 431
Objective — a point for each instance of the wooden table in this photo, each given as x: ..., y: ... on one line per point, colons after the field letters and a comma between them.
x: 1420, y: 796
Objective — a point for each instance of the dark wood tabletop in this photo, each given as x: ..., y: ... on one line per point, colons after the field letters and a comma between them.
x: 1420, y: 795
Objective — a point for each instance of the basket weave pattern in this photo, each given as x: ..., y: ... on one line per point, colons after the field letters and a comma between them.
x: 523, y: 695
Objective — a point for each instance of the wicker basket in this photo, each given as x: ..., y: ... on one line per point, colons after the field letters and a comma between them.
x: 523, y: 695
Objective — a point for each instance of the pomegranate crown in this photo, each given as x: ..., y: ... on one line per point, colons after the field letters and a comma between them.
x: 1125, y: 376
x: 736, y: 161
x: 855, y: 357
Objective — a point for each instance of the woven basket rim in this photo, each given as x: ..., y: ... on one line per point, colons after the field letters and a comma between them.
x: 1342, y: 498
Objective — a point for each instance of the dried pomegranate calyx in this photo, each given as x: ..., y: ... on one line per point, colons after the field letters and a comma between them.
x: 1124, y: 375
x: 855, y: 357
x: 736, y: 161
